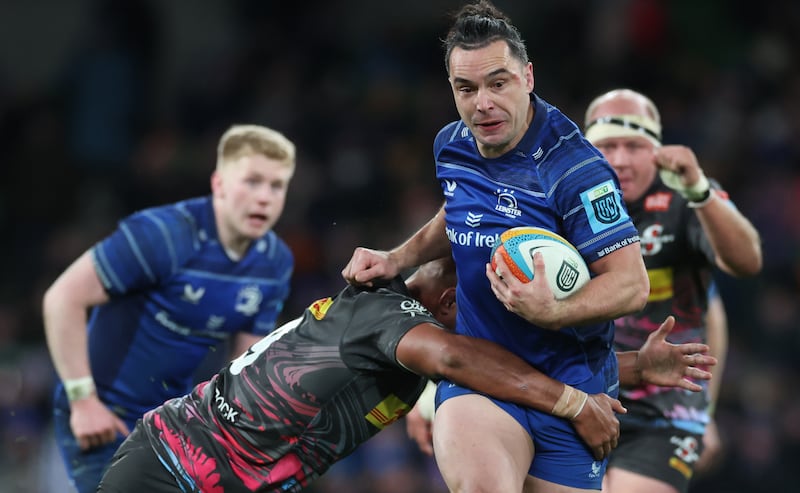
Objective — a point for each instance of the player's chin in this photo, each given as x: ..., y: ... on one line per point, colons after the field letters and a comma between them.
x: 255, y: 229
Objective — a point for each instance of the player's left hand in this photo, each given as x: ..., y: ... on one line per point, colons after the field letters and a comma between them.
x: 534, y: 301
x: 673, y: 365
x: 597, y: 424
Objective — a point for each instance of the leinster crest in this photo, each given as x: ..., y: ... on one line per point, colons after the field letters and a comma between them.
x: 248, y: 300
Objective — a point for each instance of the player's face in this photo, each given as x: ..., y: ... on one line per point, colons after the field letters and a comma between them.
x: 249, y: 195
x: 633, y: 158
x: 491, y: 90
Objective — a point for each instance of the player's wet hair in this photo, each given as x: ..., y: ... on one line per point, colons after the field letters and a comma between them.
x: 479, y: 24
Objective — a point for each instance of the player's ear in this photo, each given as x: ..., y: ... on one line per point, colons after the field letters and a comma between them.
x: 216, y: 183
x: 447, y: 300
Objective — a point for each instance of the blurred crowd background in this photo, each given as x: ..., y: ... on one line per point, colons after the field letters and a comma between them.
x: 108, y: 106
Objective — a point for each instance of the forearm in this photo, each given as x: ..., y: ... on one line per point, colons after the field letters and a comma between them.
x: 630, y: 374
x: 65, y: 331
x: 428, y: 243
x: 491, y: 369
x: 736, y: 242
x: 620, y: 287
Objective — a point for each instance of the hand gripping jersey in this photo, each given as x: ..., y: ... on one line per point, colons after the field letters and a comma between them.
x: 174, y: 295
x: 679, y: 261
x: 303, y: 397
x: 553, y: 179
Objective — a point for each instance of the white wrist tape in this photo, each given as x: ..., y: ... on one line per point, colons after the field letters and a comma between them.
x: 79, y: 388
x: 427, y: 401
x: 695, y: 193
x: 570, y: 404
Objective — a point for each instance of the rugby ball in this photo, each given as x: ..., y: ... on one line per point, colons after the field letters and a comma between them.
x: 565, y: 268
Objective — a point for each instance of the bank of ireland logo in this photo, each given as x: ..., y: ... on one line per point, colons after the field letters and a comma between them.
x: 507, y: 203
x: 603, y: 206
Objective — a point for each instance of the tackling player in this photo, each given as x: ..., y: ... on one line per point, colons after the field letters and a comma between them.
x: 307, y: 395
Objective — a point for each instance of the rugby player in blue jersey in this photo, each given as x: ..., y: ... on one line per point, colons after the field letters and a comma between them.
x: 305, y: 396
x: 165, y: 288
x: 515, y: 160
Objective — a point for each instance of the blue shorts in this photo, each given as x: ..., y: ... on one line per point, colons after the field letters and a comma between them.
x: 84, y: 468
x: 561, y: 456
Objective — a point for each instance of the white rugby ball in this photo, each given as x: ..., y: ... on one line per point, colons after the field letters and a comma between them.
x: 565, y: 268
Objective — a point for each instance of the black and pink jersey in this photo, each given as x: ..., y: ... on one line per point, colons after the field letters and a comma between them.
x: 679, y: 261
x: 303, y: 397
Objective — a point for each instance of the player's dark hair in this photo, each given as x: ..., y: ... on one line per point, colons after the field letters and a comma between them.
x: 479, y: 24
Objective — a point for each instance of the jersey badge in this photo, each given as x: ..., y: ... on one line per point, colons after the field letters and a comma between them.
x: 320, y: 307
x: 657, y: 202
x: 653, y: 239
x: 450, y: 187
x: 507, y: 203
x: 248, y: 300
x: 192, y: 295
x: 413, y: 308
x: 473, y: 220
x: 387, y: 412
x: 603, y: 206
x: 685, y: 453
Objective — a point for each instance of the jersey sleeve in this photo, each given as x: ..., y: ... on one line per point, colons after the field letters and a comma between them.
x: 589, y: 199
x: 143, y: 250
x: 446, y: 135
x: 379, y: 322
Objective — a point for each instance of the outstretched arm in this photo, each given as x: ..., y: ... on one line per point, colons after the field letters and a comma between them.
x: 491, y: 369
x: 659, y: 362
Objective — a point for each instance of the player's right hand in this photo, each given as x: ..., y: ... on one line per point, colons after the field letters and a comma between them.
x: 93, y: 424
x: 367, y: 264
x: 598, y: 425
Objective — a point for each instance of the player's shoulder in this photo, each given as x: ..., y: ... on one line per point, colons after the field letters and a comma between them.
x: 561, y: 133
x: 179, y: 223
x: 188, y: 212
x: 452, y: 132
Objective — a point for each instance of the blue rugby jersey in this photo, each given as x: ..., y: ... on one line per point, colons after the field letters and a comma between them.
x: 553, y: 179
x: 175, y: 294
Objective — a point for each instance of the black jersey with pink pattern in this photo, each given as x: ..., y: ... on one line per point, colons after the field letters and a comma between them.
x: 303, y: 397
x: 680, y: 262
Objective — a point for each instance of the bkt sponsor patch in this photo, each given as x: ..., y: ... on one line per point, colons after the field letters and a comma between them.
x: 603, y: 206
